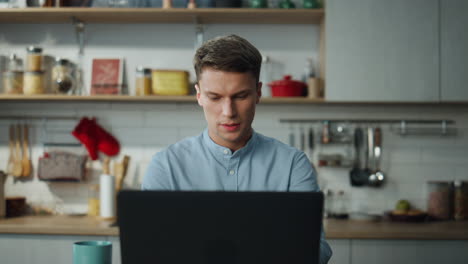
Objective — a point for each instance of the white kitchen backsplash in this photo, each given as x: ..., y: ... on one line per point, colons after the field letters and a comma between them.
x: 145, y: 128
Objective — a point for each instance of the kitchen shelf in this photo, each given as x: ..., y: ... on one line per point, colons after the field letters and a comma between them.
x: 130, y: 98
x: 159, y: 15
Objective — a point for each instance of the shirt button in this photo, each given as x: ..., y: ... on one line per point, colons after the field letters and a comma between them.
x: 231, y: 172
x: 226, y: 151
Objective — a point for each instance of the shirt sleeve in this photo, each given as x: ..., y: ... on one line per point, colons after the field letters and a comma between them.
x: 304, y: 178
x: 156, y: 176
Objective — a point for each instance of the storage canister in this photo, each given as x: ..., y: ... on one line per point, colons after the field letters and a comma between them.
x: 461, y: 200
x: 34, y: 59
x: 143, y: 81
x: 13, y: 82
x: 62, y: 79
x: 170, y: 82
x: 440, y: 200
x: 33, y: 82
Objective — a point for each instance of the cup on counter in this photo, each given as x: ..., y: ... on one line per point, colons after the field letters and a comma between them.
x: 92, y: 252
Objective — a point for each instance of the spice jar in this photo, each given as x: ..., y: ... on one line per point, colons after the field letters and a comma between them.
x: 33, y: 82
x: 143, y: 81
x: 34, y: 59
x: 62, y: 79
x: 13, y: 82
x: 440, y: 200
x: 460, y: 200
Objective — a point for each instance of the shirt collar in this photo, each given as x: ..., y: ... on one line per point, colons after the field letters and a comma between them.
x: 220, y: 150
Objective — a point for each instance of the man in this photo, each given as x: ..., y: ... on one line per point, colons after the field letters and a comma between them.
x: 229, y: 155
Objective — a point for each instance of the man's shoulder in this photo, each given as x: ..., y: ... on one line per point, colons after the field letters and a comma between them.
x: 183, y: 147
x: 273, y: 144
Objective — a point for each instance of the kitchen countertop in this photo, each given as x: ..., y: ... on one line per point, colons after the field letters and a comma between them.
x: 334, y: 229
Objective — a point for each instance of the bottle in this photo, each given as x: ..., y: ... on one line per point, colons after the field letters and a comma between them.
x: 13, y: 82
x: 142, y: 81
x: 34, y: 59
x: 93, y: 200
x: 62, y: 79
x: 309, y: 70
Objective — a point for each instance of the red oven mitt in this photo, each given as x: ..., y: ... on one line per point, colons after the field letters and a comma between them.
x: 95, y: 138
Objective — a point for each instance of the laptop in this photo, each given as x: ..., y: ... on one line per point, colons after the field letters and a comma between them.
x: 219, y: 227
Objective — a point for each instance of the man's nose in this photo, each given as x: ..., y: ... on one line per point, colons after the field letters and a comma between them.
x: 229, y: 108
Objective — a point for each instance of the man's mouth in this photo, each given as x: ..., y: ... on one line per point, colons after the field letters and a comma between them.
x: 231, y: 126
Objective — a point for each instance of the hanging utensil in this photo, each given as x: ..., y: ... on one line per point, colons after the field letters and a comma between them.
x: 11, y: 157
x: 377, y: 178
x: 26, y: 162
x: 291, y: 137
x: 302, y: 139
x: 17, y: 164
x: 357, y: 176
x: 369, y: 154
x: 311, y: 142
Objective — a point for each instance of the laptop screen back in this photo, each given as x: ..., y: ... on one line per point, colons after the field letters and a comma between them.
x: 219, y: 227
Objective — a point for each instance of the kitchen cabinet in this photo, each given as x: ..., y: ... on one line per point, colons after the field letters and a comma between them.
x: 40, y: 249
x: 454, y: 50
x: 341, y: 251
x: 380, y: 50
x: 409, y: 251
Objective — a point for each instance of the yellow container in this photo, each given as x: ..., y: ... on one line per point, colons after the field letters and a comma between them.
x: 170, y: 82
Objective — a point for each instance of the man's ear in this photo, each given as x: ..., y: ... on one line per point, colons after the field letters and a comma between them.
x: 198, y: 94
x: 259, y: 91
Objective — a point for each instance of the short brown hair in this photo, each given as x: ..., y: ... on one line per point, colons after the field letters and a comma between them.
x: 228, y: 53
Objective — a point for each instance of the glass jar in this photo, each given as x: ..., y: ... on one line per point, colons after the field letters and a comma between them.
x: 14, y: 63
x: 439, y: 205
x: 62, y: 79
x: 460, y: 204
x: 93, y: 200
x: 33, y: 82
x: 143, y: 81
x: 34, y: 59
x: 13, y: 82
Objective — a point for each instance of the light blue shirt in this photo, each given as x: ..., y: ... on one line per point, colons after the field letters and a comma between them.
x: 263, y: 164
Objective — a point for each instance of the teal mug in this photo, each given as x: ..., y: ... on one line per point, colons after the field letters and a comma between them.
x: 92, y: 252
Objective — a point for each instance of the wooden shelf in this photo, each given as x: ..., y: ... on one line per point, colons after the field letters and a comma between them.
x: 159, y: 15
x: 129, y: 98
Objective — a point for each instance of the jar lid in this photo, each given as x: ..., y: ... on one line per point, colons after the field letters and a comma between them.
x: 143, y: 69
x: 60, y: 61
x: 13, y: 56
x: 34, y: 49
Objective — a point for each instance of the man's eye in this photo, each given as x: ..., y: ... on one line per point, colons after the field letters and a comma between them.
x: 215, y: 98
x: 242, y: 96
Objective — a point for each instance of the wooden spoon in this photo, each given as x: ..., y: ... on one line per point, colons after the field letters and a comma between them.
x: 26, y: 161
x: 11, y: 157
x: 17, y: 164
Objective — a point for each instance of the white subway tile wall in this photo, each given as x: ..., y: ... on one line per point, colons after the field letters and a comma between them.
x: 145, y: 129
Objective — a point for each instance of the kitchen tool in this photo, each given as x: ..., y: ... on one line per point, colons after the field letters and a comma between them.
x: 26, y: 162
x: 121, y: 171
x: 358, y: 176
x: 11, y: 157
x: 17, y: 164
x: 287, y: 87
x: 369, y: 154
x: 377, y: 178
x: 311, y: 142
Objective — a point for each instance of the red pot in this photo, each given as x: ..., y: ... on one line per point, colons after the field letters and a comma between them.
x: 287, y: 87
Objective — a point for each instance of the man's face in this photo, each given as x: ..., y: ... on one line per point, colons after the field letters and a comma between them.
x: 228, y: 100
